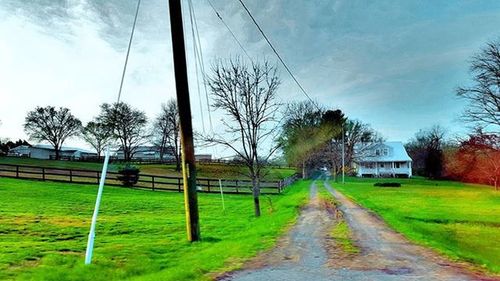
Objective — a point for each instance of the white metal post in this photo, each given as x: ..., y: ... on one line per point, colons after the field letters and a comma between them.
x: 222, y: 195
x: 90, y: 243
x: 343, y: 156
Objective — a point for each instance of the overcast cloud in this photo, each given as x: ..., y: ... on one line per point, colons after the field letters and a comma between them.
x: 393, y: 64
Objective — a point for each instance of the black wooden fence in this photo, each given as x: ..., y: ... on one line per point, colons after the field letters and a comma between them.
x: 146, y: 181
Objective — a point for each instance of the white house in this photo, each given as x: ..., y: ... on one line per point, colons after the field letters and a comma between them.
x: 385, y: 159
x: 45, y: 151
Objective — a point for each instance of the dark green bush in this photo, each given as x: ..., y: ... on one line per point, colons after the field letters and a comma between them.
x: 387, y: 184
x: 129, y: 175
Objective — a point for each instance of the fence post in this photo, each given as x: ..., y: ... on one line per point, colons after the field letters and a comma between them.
x: 153, y: 182
x: 97, y: 177
x: 208, y: 184
x: 43, y: 174
x: 237, y: 186
x: 70, y: 175
x: 17, y: 171
x: 179, y: 184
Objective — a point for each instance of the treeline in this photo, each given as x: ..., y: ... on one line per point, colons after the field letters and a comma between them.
x: 314, y: 137
x: 116, y: 123
x: 474, y: 158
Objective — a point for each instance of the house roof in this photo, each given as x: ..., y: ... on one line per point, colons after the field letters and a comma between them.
x: 395, y: 152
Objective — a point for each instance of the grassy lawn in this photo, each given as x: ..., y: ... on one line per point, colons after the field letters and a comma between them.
x: 140, y: 234
x: 459, y: 220
x: 203, y: 170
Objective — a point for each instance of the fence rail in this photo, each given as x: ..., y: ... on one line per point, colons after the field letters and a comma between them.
x: 146, y: 181
x: 145, y: 161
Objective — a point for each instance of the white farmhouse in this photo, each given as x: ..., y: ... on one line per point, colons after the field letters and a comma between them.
x: 385, y: 159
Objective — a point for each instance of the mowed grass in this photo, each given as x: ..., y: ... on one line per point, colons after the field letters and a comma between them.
x: 140, y: 234
x: 459, y: 220
x: 222, y: 171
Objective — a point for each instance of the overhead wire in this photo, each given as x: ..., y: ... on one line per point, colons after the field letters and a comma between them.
x: 202, y: 64
x: 277, y: 54
x: 229, y: 29
x: 201, y: 61
x: 196, y: 61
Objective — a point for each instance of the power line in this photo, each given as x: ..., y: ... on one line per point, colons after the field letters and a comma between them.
x: 202, y: 64
x: 229, y: 29
x: 276, y: 52
x: 196, y: 58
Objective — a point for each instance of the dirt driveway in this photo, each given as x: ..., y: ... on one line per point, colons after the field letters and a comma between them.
x: 306, y: 253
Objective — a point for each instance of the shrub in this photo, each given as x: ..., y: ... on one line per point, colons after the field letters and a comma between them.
x: 129, y: 175
x: 387, y: 184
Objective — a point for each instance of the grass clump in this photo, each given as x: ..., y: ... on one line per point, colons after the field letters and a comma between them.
x: 343, y: 237
x: 387, y: 184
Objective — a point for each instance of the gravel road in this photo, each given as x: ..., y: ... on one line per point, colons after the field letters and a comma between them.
x: 384, y: 255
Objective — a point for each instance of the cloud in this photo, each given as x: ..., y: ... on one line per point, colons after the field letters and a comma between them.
x: 389, y: 63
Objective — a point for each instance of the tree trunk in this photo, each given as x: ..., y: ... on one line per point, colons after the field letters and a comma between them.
x: 256, y: 193
x: 303, y: 169
x: 56, y: 147
x: 177, y: 162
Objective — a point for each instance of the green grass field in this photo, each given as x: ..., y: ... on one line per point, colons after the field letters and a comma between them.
x: 459, y: 220
x: 203, y: 170
x: 140, y: 234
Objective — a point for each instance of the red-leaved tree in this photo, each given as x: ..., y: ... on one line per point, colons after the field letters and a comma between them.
x: 476, y: 160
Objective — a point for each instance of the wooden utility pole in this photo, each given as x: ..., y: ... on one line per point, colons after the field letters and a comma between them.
x: 187, y: 147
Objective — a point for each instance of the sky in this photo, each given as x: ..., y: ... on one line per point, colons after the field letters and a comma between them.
x: 392, y: 64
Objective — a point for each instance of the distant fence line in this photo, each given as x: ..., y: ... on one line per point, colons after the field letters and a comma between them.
x: 140, y: 161
x: 146, y: 181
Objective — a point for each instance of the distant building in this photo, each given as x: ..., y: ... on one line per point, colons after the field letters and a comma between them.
x: 148, y: 153
x: 385, y: 159
x: 203, y: 157
x: 45, y: 151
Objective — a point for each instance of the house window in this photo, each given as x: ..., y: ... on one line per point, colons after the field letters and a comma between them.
x: 386, y: 151
x: 377, y: 152
x: 381, y: 165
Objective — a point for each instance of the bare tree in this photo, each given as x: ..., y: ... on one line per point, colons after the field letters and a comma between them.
x: 426, y: 151
x: 97, y: 135
x: 51, y: 125
x: 359, y: 140
x: 126, y: 124
x: 166, y: 131
x: 247, y: 96
x: 484, y: 95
